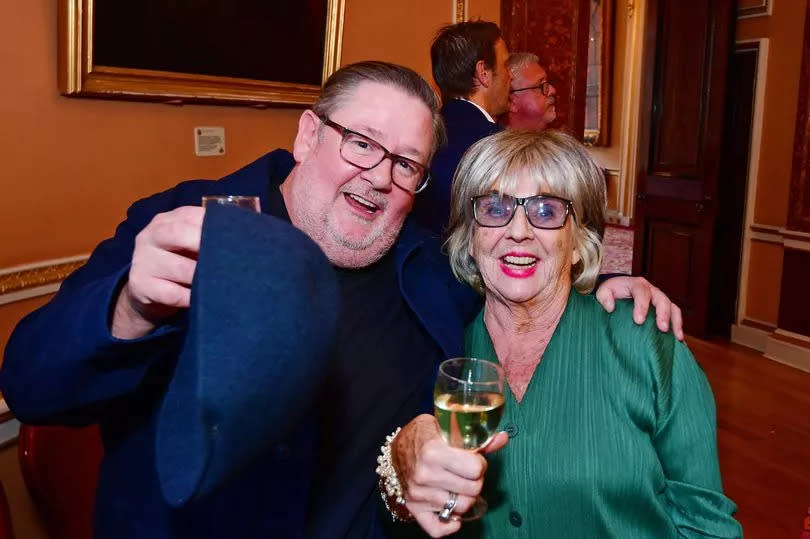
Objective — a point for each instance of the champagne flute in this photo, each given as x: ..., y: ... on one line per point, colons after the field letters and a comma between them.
x: 247, y: 202
x: 468, y: 405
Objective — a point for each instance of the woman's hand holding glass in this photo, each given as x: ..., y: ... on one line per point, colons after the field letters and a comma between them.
x: 468, y: 403
x: 432, y: 472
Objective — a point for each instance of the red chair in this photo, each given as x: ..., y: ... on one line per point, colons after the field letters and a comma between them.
x: 60, y: 468
x: 6, y: 530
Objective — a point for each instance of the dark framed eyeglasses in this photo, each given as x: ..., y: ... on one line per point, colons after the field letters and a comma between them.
x: 542, y: 211
x: 366, y: 153
x: 544, y: 87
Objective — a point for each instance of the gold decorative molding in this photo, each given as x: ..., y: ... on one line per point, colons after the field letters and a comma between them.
x: 334, y: 37
x: 12, y: 280
x: 460, y: 14
x: 80, y: 76
x: 631, y: 6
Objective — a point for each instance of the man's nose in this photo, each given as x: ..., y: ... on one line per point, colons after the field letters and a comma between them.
x: 380, y: 176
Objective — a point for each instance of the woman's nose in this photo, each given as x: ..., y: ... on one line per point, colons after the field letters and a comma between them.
x: 519, y: 226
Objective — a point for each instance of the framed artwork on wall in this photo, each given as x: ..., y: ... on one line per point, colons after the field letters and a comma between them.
x: 243, y: 52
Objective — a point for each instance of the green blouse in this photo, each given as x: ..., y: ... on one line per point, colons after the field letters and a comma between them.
x: 615, y: 437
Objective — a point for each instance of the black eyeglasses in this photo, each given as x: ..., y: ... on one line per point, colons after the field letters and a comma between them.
x: 544, y: 87
x: 543, y: 211
x: 366, y: 153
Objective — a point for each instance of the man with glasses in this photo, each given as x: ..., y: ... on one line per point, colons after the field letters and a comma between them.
x: 532, y: 96
x: 105, y: 348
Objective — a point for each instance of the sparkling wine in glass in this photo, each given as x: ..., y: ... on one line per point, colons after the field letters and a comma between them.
x: 468, y: 405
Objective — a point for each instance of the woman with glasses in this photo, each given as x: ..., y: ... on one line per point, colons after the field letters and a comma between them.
x: 611, y: 424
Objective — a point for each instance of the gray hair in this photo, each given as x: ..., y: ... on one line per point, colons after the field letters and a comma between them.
x: 519, y: 60
x: 552, y: 158
x: 341, y: 85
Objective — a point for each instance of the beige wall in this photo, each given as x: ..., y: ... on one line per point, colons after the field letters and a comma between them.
x: 72, y: 166
x: 784, y: 30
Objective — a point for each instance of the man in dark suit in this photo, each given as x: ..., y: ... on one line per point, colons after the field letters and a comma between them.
x: 108, y: 348
x: 469, y: 67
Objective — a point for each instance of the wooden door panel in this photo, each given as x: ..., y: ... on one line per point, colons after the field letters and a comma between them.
x: 669, y: 251
x: 679, y: 101
x: 680, y: 148
x: 682, y: 211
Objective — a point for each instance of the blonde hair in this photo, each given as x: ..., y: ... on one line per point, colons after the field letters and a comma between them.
x: 555, y: 160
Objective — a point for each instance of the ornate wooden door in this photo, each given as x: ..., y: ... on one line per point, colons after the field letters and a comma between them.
x: 688, y: 43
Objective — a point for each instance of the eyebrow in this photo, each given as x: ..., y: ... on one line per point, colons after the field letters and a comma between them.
x: 377, y: 134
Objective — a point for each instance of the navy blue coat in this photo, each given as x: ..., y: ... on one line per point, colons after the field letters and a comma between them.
x: 62, y: 366
x: 465, y: 125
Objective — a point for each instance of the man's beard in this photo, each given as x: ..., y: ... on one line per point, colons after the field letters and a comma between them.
x: 364, y: 251
x: 347, y: 252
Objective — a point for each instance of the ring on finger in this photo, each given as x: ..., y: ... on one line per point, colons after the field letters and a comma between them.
x: 449, y: 506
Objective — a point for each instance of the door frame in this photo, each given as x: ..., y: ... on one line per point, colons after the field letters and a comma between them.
x: 751, y: 230
x: 634, y: 50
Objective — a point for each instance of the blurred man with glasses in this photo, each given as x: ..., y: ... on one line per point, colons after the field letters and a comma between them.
x: 532, y: 96
x: 105, y: 348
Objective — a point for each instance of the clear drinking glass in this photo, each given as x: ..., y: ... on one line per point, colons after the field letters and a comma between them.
x: 247, y: 202
x: 468, y: 404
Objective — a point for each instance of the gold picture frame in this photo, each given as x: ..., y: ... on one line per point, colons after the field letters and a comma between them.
x: 79, y: 76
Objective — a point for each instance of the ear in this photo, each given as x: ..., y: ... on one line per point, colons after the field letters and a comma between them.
x: 575, y: 258
x: 483, y: 74
x: 513, y: 106
x: 307, y: 137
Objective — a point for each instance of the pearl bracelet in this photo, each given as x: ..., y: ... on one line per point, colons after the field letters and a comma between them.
x: 390, y: 487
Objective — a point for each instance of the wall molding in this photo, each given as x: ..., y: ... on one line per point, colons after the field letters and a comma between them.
x: 790, y: 239
x: 776, y: 344
x: 790, y: 352
x: 9, y: 427
x: 749, y: 336
x: 763, y: 9
x: 38, y: 279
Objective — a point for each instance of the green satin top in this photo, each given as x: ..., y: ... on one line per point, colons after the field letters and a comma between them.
x: 615, y: 437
